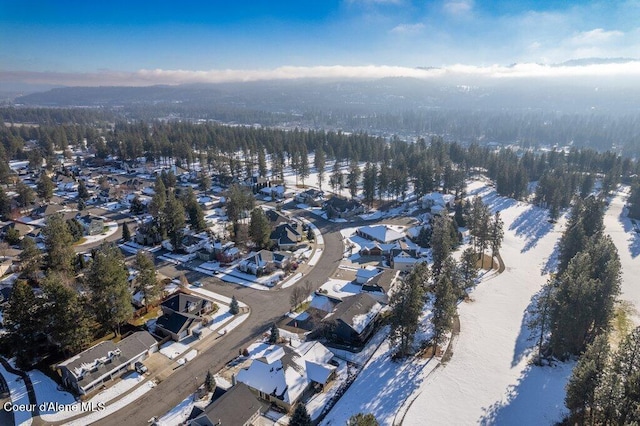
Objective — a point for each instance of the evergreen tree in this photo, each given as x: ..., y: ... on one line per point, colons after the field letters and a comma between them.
x: 634, y: 202
x: 194, y: 211
x: 539, y: 316
x: 83, y: 192
x: 30, y: 259
x: 234, y: 307
x: 159, y: 199
x: 303, y: 166
x: 45, y: 187
x: 406, y: 307
x: 175, y: 220
x: 23, y: 322
x: 300, y: 416
x: 319, y: 162
x: 468, y: 268
x: 585, y: 379
x: 238, y: 201
x: 107, y: 280
x: 444, y: 305
x: 81, y: 205
x: 25, y: 194
x: 441, y: 243
x: 354, y: 176
x: 369, y: 183
x: 361, y: 419
x: 65, y: 315
x: 496, y: 234
x: 126, y: 234
x: 274, y: 334
x: 209, y: 382
x: 5, y: 205
x: 136, y: 207
x: 262, y: 163
x: 259, y: 228
x: 478, y: 223
x: 58, y: 244
x: 146, y: 282
x: 336, y: 177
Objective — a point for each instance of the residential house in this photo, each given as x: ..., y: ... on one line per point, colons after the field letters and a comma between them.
x: 285, y: 236
x: 381, y: 233
x: 281, y: 375
x: 367, y: 273
x: 237, y: 406
x: 342, y: 208
x: 353, y: 320
x: 46, y: 210
x: 181, y: 313
x: 437, y: 202
x: 379, y: 286
x: 225, y: 252
x: 93, y: 225
x: 311, y: 197
x: 105, y: 361
x: 263, y: 262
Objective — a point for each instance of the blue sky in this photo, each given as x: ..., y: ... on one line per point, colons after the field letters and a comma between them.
x: 159, y: 41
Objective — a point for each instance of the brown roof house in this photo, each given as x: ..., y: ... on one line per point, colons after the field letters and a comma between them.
x: 236, y: 407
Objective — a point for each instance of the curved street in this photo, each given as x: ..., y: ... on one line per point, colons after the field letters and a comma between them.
x: 266, y: 308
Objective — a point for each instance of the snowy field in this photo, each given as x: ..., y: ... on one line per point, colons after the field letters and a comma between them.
x: 488, y: 380
x: 620, y: 227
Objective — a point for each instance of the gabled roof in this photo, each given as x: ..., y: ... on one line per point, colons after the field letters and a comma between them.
x: 184, y: 303
x: 236, y: 406
x: 342, y: 204
x: 175, y: 322
x: 285, y: 373
x: 285, y: 234
x: 357, y: 311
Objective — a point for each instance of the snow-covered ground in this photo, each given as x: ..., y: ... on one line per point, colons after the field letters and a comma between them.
x: 488, y: 380
x: 620, y: 227
x: 19, y: 396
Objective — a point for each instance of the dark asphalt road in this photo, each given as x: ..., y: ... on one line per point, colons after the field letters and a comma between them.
x: 266, y: 308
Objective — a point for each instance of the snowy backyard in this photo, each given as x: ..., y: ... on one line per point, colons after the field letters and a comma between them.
x: 488, y: 380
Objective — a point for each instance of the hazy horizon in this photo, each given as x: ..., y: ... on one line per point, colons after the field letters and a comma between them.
x: 83, y: 43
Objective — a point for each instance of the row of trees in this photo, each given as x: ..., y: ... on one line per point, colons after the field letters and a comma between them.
x: 577, y: 303
x: 77, y: 301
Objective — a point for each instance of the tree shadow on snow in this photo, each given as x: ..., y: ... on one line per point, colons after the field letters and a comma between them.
x: 632, y: 231
x: 526, y: 341
x: 537, y: 398
x: 533, y: 225
x: 496, y: 202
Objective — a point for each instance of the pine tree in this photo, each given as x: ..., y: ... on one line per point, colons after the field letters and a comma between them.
x: 361, y: 419
x: 354, y: 177
x: 300, y: 416
x: 126, y: 234
x: 65, y: 315
x: 209, y: 382
x: 468, y: 268
x: 319, y: 161
x: 24, y: 323
x: 146, y: 282
x: 175, y: 220
x: 444, y: 306
x: 406, y: 307
x: 45, y: 187
x: 5, y: 205
x: 539, y: 316
x: 83, y: 192
x: 107, y: 280
x: 234, y: 307
x: 259, y: 228
x: 58, y: 244
x: 496, y: 234
x: 585, y: 379
x: 274, y: 334
x: 441, y: 243
x: 30, y: 258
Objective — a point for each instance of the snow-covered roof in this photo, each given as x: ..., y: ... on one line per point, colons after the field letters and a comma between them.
x: 286, y: 372
x: 381, y: 233
x: 438, y: 198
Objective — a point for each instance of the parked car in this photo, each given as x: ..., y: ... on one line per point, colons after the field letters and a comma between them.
x: 197, y: 284
x: 140, y: 367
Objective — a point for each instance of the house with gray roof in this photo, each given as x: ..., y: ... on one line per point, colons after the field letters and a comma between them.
x: 105, y: 361
x: 353, y: 320
x: 181, y: 313
x: 237, y: 406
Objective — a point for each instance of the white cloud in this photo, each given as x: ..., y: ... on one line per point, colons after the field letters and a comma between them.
x: 159, y: 76
x: 595, y: 37
x: 458, y: 7
x: 407, y: 29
